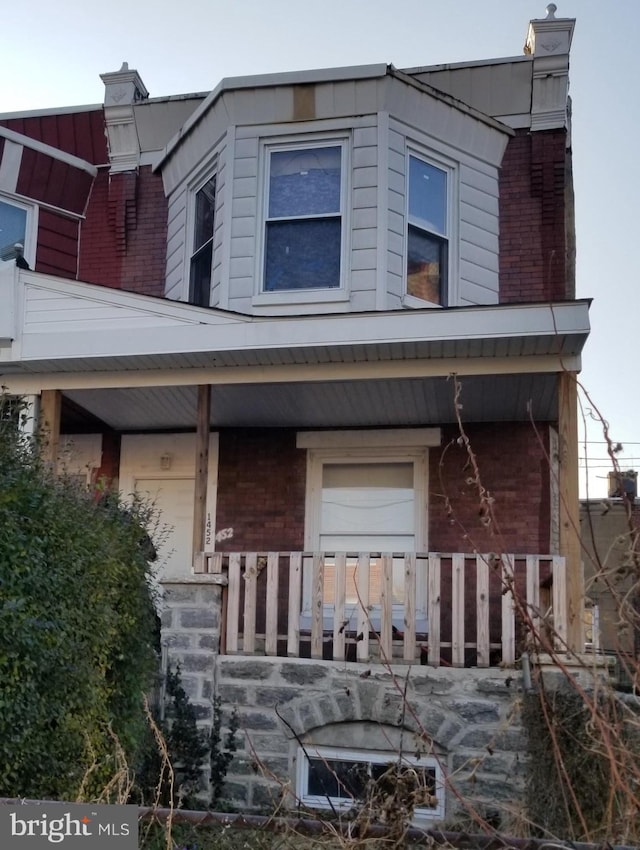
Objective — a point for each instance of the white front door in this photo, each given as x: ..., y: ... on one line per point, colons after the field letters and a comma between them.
x: 367, y: 507
x: 161, y: 467
x: 361, y: 500
x: 173, y: 498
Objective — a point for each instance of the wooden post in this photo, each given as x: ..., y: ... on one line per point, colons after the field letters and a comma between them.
x: 569, y: 508
x: 49, y: 424
x: 202, y: 468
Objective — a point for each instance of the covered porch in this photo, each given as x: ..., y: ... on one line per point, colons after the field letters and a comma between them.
x: 122, y: 364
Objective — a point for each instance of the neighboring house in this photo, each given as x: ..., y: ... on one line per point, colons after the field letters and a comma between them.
x: 268, y: 307
x: 609, y: 533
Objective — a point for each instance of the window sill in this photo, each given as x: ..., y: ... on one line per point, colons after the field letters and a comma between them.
x: 303, y: 296
x: 413, y: 303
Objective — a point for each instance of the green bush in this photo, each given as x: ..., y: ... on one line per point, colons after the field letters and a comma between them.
x: 568, y: 780
x: 174, y: 777
x: 77, y: 628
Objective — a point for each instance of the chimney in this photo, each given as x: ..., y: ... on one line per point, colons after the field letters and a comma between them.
x: 123, y: 89
x: 548, y: 43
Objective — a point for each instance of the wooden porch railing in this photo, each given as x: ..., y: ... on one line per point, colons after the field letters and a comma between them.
x: 457, y: 608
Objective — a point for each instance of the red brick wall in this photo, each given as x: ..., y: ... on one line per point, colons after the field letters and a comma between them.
x: 144, y: 266
x: 261, y: 490
x: 534, y: 242
x: 514, y: 470
x: 100, y: 261
x: 262, y: 479
x: 123, y: 240
x: 107, y: 474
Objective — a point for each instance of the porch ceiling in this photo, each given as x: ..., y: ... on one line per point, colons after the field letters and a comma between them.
x: 411, y: 401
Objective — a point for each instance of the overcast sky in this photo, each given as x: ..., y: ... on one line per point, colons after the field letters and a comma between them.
x: 52, y: 55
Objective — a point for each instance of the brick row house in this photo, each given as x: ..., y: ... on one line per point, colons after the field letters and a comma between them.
x: 327, y: 321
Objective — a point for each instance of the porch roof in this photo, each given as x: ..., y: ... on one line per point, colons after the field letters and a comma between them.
x: 339, y: 369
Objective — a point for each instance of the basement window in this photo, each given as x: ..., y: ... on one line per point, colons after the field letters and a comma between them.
x: 338, y: 780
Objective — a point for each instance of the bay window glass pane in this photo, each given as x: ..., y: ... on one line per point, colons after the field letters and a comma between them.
x: 200, y: 283
x: 302, y: 254
x: 304, y: 182
x: 13, y: 224
x: 425, y: 265
x: 205, y: 209
x: 427, y: 196
x: 202, y: 257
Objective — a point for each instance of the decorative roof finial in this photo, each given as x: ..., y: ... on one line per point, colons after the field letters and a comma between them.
x: 551, y: 11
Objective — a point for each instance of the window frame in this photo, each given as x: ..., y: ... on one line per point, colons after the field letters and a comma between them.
x: 208, y: 177
x: 317, y: 801
x: 448, y: 293
x: 263, y: 296
x: 376, y: 452
x: 30, y: 227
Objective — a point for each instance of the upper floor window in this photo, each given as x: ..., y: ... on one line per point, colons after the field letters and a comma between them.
x: 304, y: 216
x: 427, y: 232
x: 202, y: 257
x: 13, y: 232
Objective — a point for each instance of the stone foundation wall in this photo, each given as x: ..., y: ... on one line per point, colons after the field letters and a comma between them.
x: 468, y: 717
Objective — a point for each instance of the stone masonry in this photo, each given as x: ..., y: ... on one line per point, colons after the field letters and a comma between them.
x: 190, y: 634
x: 469, y: 718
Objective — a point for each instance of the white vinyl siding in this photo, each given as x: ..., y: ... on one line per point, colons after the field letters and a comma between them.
x: 180, y: 228
x: 479, y: 230
x: 176, y: 245
x: 364, y: 214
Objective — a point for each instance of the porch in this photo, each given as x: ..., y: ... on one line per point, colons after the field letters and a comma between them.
x: 441, y: 609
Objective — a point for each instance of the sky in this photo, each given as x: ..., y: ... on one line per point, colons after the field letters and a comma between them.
x: 53, y: 53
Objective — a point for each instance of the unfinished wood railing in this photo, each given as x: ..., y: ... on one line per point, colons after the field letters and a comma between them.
x: 458, y: 609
